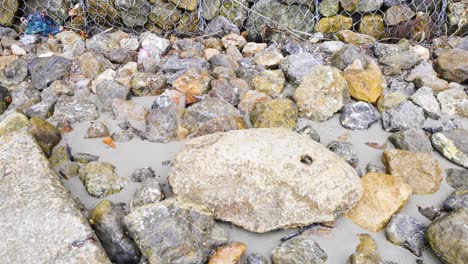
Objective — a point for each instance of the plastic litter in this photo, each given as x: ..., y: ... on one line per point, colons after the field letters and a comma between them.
x: 40, y: 23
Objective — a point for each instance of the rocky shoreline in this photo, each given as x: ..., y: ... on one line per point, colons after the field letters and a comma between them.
x: 248, y: 114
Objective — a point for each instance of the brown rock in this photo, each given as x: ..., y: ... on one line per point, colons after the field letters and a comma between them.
x: 195, y: 81
x: 419, y: 169
x: 384, y: 195
x: 364, y: 84
x: 128, y: 110
x: 252, y: 48
x: 228, y: 254
x: 350, y: 37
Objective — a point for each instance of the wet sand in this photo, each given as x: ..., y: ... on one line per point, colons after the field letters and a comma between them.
x: 338, y: 244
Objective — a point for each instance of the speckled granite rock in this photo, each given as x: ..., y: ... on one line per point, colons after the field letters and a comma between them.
x: 42, y: 210
x: 358, y: 115
x: 414, y: 140
x: 189, y: 232
x: 299, y: 250
x: 404, y: 230
x: 448, y: 237
x: 253, y: 196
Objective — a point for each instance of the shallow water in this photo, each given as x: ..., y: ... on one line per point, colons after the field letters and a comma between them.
x: 338, y: 244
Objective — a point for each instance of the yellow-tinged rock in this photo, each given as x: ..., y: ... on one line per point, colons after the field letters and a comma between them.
x: 384, y: 195
x: 195, y: 81
x: 372, y: 25
x: 274, y: 113
x: 419, y: 169
x: 350, y: 37
x: 366, y: 251
x: 334, y: 24
x: 228, y: 254
x: 364, y: 84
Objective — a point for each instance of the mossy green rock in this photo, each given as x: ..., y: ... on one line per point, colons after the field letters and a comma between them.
x: 164, y: 15
x: 100, y: 179
x: 329, y: 7
x: 59, y: 156
x: 7, y: 12
x: 334, y: 24
x: 275, y: 113
x: 298, y: 251
x: 372, y: 25
x: 234, y: 11
x: 13, y: 122
x: 46, y: 134
x: 270, y: 82
x: 448, y: 237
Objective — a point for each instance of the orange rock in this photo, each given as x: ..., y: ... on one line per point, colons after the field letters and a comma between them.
x: 228, y: 254
x: 364, y: 84
x: 109, y: 141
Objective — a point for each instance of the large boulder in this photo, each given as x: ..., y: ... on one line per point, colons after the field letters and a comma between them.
x: 46, y: 70
x: 452, y: 66
x: 35, y: 206
x: 245, y: 179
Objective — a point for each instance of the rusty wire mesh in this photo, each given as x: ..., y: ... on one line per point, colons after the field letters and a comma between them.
x: 416, y: 19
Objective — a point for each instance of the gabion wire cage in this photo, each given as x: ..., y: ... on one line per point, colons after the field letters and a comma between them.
x: 416, y: 19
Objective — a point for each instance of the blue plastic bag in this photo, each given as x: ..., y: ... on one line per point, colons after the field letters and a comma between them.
x: 40, y: 23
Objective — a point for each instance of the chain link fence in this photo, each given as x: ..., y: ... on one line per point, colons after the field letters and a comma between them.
x: 412, y: 19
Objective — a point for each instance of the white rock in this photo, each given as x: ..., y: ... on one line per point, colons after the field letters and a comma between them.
x: 17, y: 50
x: 454, y: 102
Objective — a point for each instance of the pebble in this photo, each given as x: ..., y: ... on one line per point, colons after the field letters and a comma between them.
x: 141, y: 174
x: 97, y: 130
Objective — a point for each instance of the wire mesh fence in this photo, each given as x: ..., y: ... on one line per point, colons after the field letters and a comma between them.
x: 412, y: 19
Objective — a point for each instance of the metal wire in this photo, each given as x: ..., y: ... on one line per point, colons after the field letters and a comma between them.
x: 261, y: 18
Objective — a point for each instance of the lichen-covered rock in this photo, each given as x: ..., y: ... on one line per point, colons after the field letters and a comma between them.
x: 12, y: 122
x: 100, y: 179
x: 147, y: 84
x: 321, y: 93
x: 269, y: 58
x: 299, y: 250
x: 348, y: 36
x: 448, y: 236
x: 458, y: 199
x: 141, y: 174
x: 110, y: 90
x: 457, y: 178
x: 452, y: 144
x: 46, y: 134
x: 7, y: 14
x: 106, y: 220
x: 92, y: 64
x: 420, y: 170
x: 148, y: 192
x: 74, y: 110
x: 188, y: 230
x: 211, y: 108
x: 359, y: 116
x: 97, y: 130
x: 346, y: 56
x: 298, y: 66
x: 451, y: 65
x: 162, y: 124
x: 274, y: 113
x: 366, y: 251
x: 454, y: 101
x: 334, y: 24
x: 384, y: 195
x: 365, y: 84
x: 222, y: 124
x: 48, y: 69
x: 195, y: 81
x: 403, y: 230
x: 42, y: 210
x: 406, y: 115
x: 270, y: 82
x: 397, y: 14
x: 293, y: 156
x: 372, y: 25
x: 228, y: 254
x: 84, y: 158
x: 414, y: 140
x: 69, y: 169
x: 14, y: 73
x: 309, y: 132
x: 368, y: 5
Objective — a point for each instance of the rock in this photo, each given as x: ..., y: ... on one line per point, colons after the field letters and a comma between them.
x: 84, y: 158
x: 384, y: 195
x: 210, y: 53
x: 106, y: 42
x: 331, y: 46
x: 13, y: 121
x: 431, y: 81
x: 398, y: 14
x: 344, y: 150
x: 228, y: 254
x: 174, y: 64
x: 220, y: 26
x: 372, y: 25
x: 269, y: 58
x: 404, y: 116
x: 448, y: 236
x: 391, y: 100
x: 159, y: 16
x: 154, y: 43
x: 73, y: 44
x: 346, y: 56
x: 110, y: 90
x: 222, y: 124
x: 223, y: 89
x: 261, y: 215
x: 366, y: 252
x: 422, y: 69
x: 59, y: 156
x: 106, y: 220
x: 299, y: 250
x: 74, y: 110
x: 454, y: 101
x: 141, y: 174
x: 452, y: 145
x: 329, y: 7
x: 211, y: 108
x: 100, y: 179
x: 413, y: 140
x: 23, y: 98
x: 17, y: 50
x: 191, y: 228
x: 430, y: 212
x: 394, y: 62
x: 274, y: 113
x: 458, y: 199
x: 283, y: 14
x: 359, y: 116
x: 123, y: 136
x: 7, y: 15
x: 348, y: 36
x: 364, y: 84
x: 97, y: 130
x: 256, y: 259
x: 93, y: 64
x: 133, y: 13
x: 403, y: 230
x: 372, y: 167
x: 147, y: 193
x: 195, y: 81
x: 451, y: 65
x: 250, y: 99
x: 128, y: 110
x: 45, y: 204
x: 162, y: 124
x: 298, y: 66
x: 420, y: 170
x: 368, y: 5
x: 309, y: 132
x: 14, y: 72
x: 334, y: 24
x: 234, y: 11
x: 46, y: 134
x: 5, y: 99
x: 424, y: 97
x: 457, y: 178
x: 321, y: 93
x: 456, y: 14
x: 69, y: 170
x: 270, y: 82
x: 147, y: 84
x: 234, y: 39
x: 48, y: 69
x: 251, y: 48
